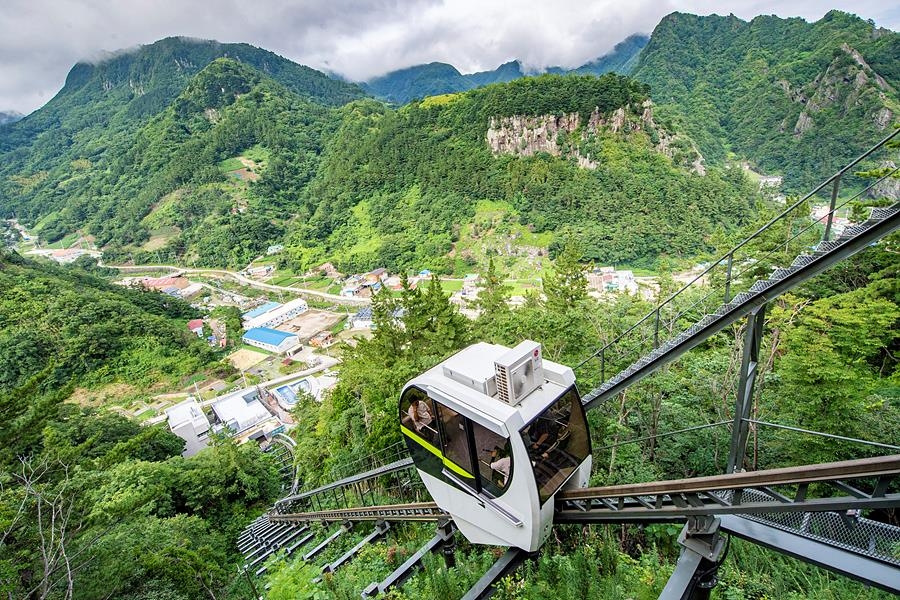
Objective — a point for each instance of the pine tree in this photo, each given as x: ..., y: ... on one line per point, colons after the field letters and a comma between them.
x: 494, y: 294
x: 566, y: 287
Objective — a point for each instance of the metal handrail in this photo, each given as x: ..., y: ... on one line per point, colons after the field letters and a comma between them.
x: 728, y: 258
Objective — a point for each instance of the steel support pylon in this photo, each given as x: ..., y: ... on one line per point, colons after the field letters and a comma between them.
x: 744, y: 396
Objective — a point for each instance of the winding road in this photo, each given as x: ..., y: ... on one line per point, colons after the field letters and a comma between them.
x: 246, y: 281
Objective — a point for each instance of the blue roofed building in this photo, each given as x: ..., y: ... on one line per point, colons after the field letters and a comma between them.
x: 259, y: 310
x: 274, y: 314
x: 272, y: 340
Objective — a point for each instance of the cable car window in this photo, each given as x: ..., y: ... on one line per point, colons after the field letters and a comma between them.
x: 494, y: 459
x: 417, y: 415
x: 557, y: 442
x: 455, y: 444
x: 418, y: 422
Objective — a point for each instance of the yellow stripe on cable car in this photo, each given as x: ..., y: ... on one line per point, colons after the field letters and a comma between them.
x: 446, y: 461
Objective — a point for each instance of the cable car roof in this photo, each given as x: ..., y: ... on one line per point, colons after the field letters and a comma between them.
x: 477, y: 363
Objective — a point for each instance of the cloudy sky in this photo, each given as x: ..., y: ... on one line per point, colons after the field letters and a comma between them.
x: 41, y: 39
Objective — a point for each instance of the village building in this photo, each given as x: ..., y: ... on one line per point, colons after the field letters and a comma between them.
x: 196, y: 327
x: 191, y: 290
x: 608, y: 279
x: 376, y: 276
x: 329, y: 271
x: 271, y: 340
x: 394, y: 283
x: 259, y: 310
x: 187, y: 421
x: 245, y: 417
x: 838, y: 224
x: 321, y: 339
x: 275, y: 315
x: 363, y: 318
x: 68, y: 256
x: 260, y: 271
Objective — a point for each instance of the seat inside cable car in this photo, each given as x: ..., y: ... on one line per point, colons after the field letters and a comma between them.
x: 557, y: 441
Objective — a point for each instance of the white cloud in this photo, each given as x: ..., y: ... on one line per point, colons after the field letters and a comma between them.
x: 40, y: 41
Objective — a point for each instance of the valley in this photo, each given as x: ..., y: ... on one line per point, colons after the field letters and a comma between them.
x: 219, y: 268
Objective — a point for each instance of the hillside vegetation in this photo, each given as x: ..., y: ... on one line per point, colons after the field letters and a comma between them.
x: 92, y: 504
x: 61, y: 328
x: 238, y: 161
x: 798, y: 99
x: 395, y: 186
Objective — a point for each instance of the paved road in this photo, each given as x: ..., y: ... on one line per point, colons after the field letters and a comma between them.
x: 247, y: 281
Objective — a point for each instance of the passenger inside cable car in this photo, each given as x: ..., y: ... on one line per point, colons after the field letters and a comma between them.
x: 557, y: 442
x: 472, y: 454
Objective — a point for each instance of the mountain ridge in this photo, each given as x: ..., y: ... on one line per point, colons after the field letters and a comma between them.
x: 758, y: 88
x: 436, y: 78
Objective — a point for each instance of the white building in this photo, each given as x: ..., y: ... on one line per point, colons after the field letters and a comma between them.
x: 187, y: 421
x: 244, y: 416
x: 271, y: 340
x: 277, y: 314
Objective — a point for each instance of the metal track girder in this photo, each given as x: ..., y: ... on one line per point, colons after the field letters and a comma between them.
x: 423, y: 511
x: 734, y: 311
x: 723, y: 494
x: 861, y: 568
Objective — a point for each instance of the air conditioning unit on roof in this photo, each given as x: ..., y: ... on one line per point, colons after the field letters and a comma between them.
x: 519, y: 372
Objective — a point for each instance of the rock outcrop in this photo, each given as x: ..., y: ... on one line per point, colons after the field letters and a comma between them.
x: 559, y: 135
x: 841, y: 87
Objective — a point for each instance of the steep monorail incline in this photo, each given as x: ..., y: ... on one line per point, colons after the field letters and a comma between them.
x: 774, y: 508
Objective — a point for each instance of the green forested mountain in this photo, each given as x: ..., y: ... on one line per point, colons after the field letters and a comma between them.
x: 418, y: 81
x: 78, y: 144
x: 238, y: 161
x: 796, y: 98
x: 395, y: 185
x: 167, y: 174
x: 621, y: 60
x: 421, y: 81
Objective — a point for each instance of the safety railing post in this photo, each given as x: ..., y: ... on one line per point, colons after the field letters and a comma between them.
x: 728, y: 277
x: 656, y: 330
x: 834, y: 195
x: 603, y: 364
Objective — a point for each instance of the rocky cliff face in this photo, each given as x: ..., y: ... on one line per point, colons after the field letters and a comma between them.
x: 842, y: 86
x: 558, y: 135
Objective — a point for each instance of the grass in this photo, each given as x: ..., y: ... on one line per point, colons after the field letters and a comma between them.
x: 339, y: 326
x: 451, y: 286
x: 230, y: 164
x: 285, y: 280
x: 64, y: 242
x: 257, y: 154
x: 520, y: 286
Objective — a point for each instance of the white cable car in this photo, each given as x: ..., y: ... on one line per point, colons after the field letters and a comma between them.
x: 494, y: 434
